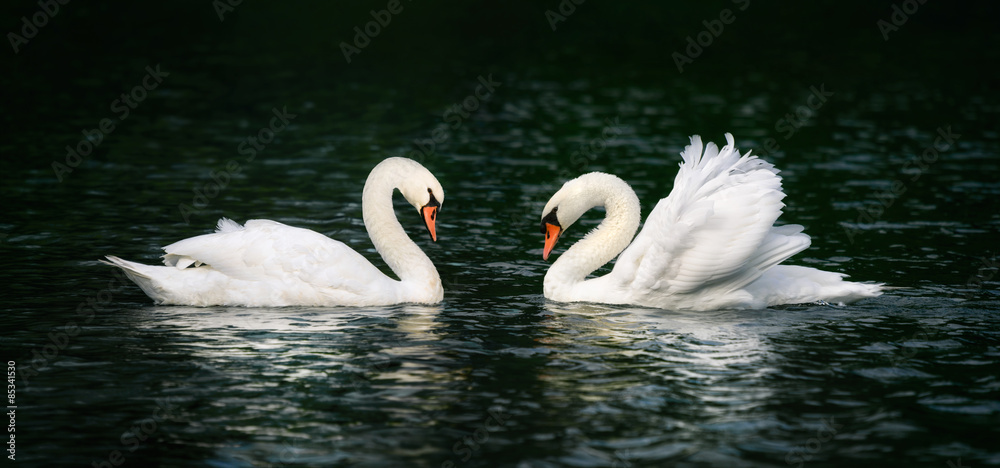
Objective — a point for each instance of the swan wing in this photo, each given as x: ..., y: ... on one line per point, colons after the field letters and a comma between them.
x: 715, y: 229
x: 269, y: 251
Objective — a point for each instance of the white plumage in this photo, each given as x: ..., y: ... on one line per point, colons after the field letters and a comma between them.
x: 710, y: 244
x: 267, y: 263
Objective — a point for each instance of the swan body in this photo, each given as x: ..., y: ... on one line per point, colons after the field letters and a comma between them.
x: 266, y: 263
x: 711, y: 244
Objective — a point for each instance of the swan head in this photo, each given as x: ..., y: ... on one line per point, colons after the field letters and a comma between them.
x: 575, y: 198
x: 421, y: 189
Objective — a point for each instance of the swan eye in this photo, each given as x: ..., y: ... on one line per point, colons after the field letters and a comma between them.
x: 433, y: 201
x: 552, y: 219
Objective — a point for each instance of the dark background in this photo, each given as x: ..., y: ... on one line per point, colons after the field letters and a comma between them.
x: 910, y: 375
x: 426, y: 55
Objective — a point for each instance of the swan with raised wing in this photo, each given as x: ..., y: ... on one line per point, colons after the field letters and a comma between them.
x: 711, y: 244
x: 266, y: 263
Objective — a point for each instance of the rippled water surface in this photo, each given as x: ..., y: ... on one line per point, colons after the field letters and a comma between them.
x: 496, y: 375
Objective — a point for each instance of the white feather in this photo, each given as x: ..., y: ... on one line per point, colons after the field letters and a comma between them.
x: 266, y: 263
x: 710, y: 244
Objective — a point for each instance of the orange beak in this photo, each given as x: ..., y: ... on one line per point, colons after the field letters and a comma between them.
x: 551, y: 236
x: 430, y: 215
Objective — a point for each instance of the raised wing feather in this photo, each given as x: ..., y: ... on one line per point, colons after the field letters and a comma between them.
x: 715, y: 229
x: 265, y: 250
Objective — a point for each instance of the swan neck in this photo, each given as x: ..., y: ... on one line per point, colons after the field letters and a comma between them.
x: 604, y: 243
x: 403, y: 256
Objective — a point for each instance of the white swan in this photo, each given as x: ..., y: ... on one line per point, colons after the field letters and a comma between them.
x: 711, y: 244
x: 266, y: 263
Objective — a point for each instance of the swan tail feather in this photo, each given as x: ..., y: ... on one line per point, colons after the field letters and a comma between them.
x: 790, y: 284
x: 141, y: 275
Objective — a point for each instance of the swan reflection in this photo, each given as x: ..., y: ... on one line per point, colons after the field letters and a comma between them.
x: 696, y: 371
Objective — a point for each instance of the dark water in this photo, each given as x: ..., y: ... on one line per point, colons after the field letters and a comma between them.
x: 496, y: 375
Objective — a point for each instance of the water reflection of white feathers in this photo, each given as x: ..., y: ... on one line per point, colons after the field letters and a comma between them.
x: 279, y: 376
x: 352, y: 339
x: 675, y: 366
x: 715, y: 339
x: 413, y: 318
